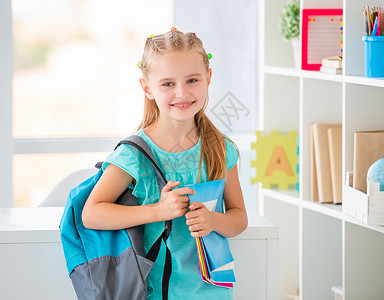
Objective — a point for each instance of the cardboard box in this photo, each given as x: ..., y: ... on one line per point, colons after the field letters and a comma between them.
x: 367, y: 209
x: 368, y: 148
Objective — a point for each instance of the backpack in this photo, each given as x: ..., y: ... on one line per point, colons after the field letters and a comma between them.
x: 111, y: 264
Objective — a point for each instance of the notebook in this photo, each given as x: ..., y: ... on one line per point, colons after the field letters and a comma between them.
x: 215, y: 258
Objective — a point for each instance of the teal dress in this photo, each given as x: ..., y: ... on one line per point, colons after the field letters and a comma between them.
x: 185, y: 282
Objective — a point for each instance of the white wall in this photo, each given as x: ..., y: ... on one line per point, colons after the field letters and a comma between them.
x: 228, y: 30
x: 6, y: 71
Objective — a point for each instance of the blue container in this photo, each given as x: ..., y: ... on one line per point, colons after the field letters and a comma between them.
x: 374, y: 56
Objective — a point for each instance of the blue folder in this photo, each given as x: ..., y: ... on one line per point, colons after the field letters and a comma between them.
x: 215, y: 246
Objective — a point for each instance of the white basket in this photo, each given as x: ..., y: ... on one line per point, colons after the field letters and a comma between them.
x: 367, y: 209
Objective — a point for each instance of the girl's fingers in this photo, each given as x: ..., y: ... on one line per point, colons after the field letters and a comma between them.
x: 185, y: 200
x: 191, y: 214
x: 184, y: 211
x: 196, y: 205
x: 196, y: 234
x: 194, y: 210
x: 184, y: 191
x: 196, y: 227
x: 170, y: 184
x: 200, y: 233
x: 180, y: 191
x: 191, y: 221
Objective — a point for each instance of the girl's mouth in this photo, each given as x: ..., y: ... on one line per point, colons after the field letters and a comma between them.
x: 183, y: 105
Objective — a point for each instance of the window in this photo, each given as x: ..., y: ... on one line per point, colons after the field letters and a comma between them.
x: 75, y: 81
x: 75, y: 75
x: 36, y: 174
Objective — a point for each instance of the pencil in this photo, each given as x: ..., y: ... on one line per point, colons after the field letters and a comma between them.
x: 369, y: 20
x: 365, y: 21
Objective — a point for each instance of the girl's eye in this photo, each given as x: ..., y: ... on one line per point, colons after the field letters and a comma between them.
x: 168, y: 84
x: 192, y: 80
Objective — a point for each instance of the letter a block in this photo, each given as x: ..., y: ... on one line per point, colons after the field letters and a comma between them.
x: 276, y: 159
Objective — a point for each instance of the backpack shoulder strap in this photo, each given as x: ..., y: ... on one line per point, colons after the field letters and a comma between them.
x: 138, y: 142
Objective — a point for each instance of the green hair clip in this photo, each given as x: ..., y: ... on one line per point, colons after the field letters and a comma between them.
x: 139, y: 64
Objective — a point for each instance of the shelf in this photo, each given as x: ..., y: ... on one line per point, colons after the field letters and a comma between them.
x: 351, y: 220
x: 282, y: 71
x: 288, y: 196
x: 292, y: 197
x: 329, y: 209
x: 320, y: 245
x: 378, y: 82
x: 361, y: 80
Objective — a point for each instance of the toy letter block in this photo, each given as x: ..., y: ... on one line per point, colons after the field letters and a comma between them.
x: 276, y: 159
x: 279, y: 161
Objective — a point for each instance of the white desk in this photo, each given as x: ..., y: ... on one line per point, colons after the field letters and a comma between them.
x: 32, y: 264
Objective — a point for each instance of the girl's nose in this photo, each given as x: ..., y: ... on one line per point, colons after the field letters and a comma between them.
x: 181, y: 91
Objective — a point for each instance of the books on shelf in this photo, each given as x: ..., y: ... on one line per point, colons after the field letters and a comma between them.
x: 332, y: 65
x: 368, y: 147
x: 325, y: 163
x: 312, y: 162
x: 331, y: 70
x: 334, y: 62
x: 335, y: 156
x: 215, y: 258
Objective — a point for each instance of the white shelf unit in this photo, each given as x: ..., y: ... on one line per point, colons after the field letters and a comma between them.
x: 320, y: 247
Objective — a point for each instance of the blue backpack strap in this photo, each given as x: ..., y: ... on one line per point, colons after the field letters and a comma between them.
x: 141, y: 145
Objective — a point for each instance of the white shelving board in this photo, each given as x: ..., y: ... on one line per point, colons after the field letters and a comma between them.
x: 328, y: 209
x: 360, y: 80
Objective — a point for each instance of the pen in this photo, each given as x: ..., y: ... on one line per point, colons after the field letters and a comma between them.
x: 379, y: 23
x: 374, y: 32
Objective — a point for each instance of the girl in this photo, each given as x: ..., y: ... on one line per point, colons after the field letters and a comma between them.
x: 188, y: 149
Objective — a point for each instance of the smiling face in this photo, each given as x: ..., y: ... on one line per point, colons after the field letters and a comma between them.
x: 178, y: 82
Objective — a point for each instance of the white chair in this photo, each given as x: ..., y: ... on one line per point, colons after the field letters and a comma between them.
x: 58, y: 196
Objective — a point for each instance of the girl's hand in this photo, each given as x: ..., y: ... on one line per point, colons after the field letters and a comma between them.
x: 199, y: 220
x: 173, y: 203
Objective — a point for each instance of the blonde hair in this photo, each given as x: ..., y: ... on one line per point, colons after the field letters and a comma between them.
x: 214, y: 157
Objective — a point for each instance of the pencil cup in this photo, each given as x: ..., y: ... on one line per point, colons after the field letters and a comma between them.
x: 374, y: 56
